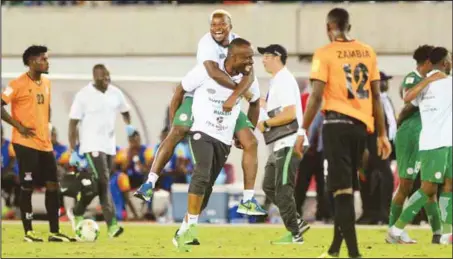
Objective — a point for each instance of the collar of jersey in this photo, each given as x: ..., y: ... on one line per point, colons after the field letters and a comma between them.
x: 432, y: 72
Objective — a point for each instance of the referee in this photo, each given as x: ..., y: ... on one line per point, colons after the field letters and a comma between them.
x: 94, y: 110
x: 29, y: 95
x: 352, y: 105
x: 281, y: 167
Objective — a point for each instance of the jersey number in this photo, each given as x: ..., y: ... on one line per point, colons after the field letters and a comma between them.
x: 360, y: 69
x: 40, y: 98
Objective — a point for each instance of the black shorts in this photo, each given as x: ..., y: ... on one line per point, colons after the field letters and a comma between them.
x: 344, y: 141
x: 72, y: 184
x: 35, y: 167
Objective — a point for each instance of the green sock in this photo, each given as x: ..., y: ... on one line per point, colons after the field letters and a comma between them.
x: 433, y: 213
x: 445, y: 206
x: 395, y: 212
x: 414, y: 205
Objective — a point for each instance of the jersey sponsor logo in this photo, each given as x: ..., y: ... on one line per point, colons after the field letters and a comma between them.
x: 8, y: 91
x: 28, y: 176
x: 217, y: 112
x: 409, y: 80
x: 183, y: 117
x: 63, y: 189
x: 211, y: 91
x: 219, y: 120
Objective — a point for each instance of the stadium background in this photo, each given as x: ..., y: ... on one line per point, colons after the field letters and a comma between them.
x: 148, y: 48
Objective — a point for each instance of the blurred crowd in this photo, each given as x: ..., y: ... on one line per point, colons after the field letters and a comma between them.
x: 126, y: 2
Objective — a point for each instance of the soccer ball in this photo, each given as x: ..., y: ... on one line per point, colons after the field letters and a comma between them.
x: 87, y: 230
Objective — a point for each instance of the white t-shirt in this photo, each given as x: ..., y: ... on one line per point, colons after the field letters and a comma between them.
x: 209, y: 97
x: 435, y: 103
x: 283, y: 92
x: 97, y: 113
x: 209, y: 49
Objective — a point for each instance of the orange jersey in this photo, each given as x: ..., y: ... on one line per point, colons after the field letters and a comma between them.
x: 30, y: 106
x: 347, y: 68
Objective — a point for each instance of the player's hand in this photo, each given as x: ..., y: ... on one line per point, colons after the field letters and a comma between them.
x: 75, y: 159
x: 384, y: 148
x: 130, y: 130
x: 229, y: 103
x: 26, y: 131
x: 437, y: 76
x: 299, y: 146
x: 237, y: 143
x: 260, y: 126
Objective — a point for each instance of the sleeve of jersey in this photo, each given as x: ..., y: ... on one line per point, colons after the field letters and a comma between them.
x: 76, y: 111
x: 255, y: 89
x: 124, y: 183
x: 194, y: 78
x: 9, y: 93
x: 124, y: 105
x: 374, y: 72
x: 319, y: 67
x: 206, y: 52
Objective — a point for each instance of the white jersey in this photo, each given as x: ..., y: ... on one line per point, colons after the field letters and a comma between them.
x: 97, y: 113
x: 435, y: 109
x: 284, y: 91
x: 209, y: 49
x: 209, y: 96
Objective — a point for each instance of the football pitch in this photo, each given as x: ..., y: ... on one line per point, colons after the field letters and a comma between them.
x: 151, y: 240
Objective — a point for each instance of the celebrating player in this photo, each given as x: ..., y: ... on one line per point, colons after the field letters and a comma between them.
x: 351, y: 104
x: 212, y: 49
x: 434, y: 102
x: 406, y: 145
x: 212, y: 131
x: 30, y: 95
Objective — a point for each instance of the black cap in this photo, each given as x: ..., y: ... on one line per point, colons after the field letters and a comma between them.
x: 384, y: 76
x: 274, y: 49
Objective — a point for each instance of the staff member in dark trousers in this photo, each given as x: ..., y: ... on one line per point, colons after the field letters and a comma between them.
x: 312, y: 164
x: 377, y: 184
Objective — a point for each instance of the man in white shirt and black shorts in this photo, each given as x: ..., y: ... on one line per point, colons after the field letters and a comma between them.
x: 435, y: 149
x: 281, y: 167
x: 211, y: 133
x: 94, y: 112
x: 212, y: 50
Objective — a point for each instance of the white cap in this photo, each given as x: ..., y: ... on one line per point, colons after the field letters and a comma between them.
x: 219, y: 11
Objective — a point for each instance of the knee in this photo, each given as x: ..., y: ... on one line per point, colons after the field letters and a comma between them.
x: 250, y: 143
x: 199, y: 184
x: 430, y: 189
x: 52, y: 186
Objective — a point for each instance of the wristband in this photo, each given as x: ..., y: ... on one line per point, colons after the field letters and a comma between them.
x: 301, y: 132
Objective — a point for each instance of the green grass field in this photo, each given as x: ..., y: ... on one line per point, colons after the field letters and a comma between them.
x: 151, y: 241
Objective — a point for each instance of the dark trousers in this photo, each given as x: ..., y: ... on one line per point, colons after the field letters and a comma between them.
x: 312, y: 165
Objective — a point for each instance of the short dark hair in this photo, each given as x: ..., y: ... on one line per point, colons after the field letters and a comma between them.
x: 340, y: 17
x: 238, y: 42
x: 99, y: 66
x: 135, y: 134
x: 438, y: 54
x: 421, y: 54
x: 33, y: 51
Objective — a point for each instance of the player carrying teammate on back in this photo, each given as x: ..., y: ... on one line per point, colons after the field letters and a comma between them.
x: 212, y: 48
x: 435, y: 104
x: 406, y: 145
x: 30, y: 95
x: 345, y: 74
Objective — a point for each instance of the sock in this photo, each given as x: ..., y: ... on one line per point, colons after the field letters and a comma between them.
x: 52, y: 206
x: 445, y: 205
x: 152, y: 178
x: 345, y: 216
x: 248, y: 195
x: 414, y: 205
x: 192, y: 219
x: 184, y: 226
x: 395, y: 212
x: 334, y: 248
x: 26, y: 209
x: 396, y: 231
x: 433, y: 214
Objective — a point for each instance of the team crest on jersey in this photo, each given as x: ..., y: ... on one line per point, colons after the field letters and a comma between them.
x: 211, y: 91
x: 409, y: 80
x: 222, y: 56
x: 183, y: 117
x: 219, y: 120
x: 28, y: 176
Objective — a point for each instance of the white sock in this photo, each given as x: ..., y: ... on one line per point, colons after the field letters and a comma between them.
x: 248, y: 195
x: 396, y: 231
x: 184, y: 227
x: 152, y: 178
x: 192, y: 219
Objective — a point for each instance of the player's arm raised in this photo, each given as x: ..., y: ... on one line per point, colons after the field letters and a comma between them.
x: 412, y: 93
